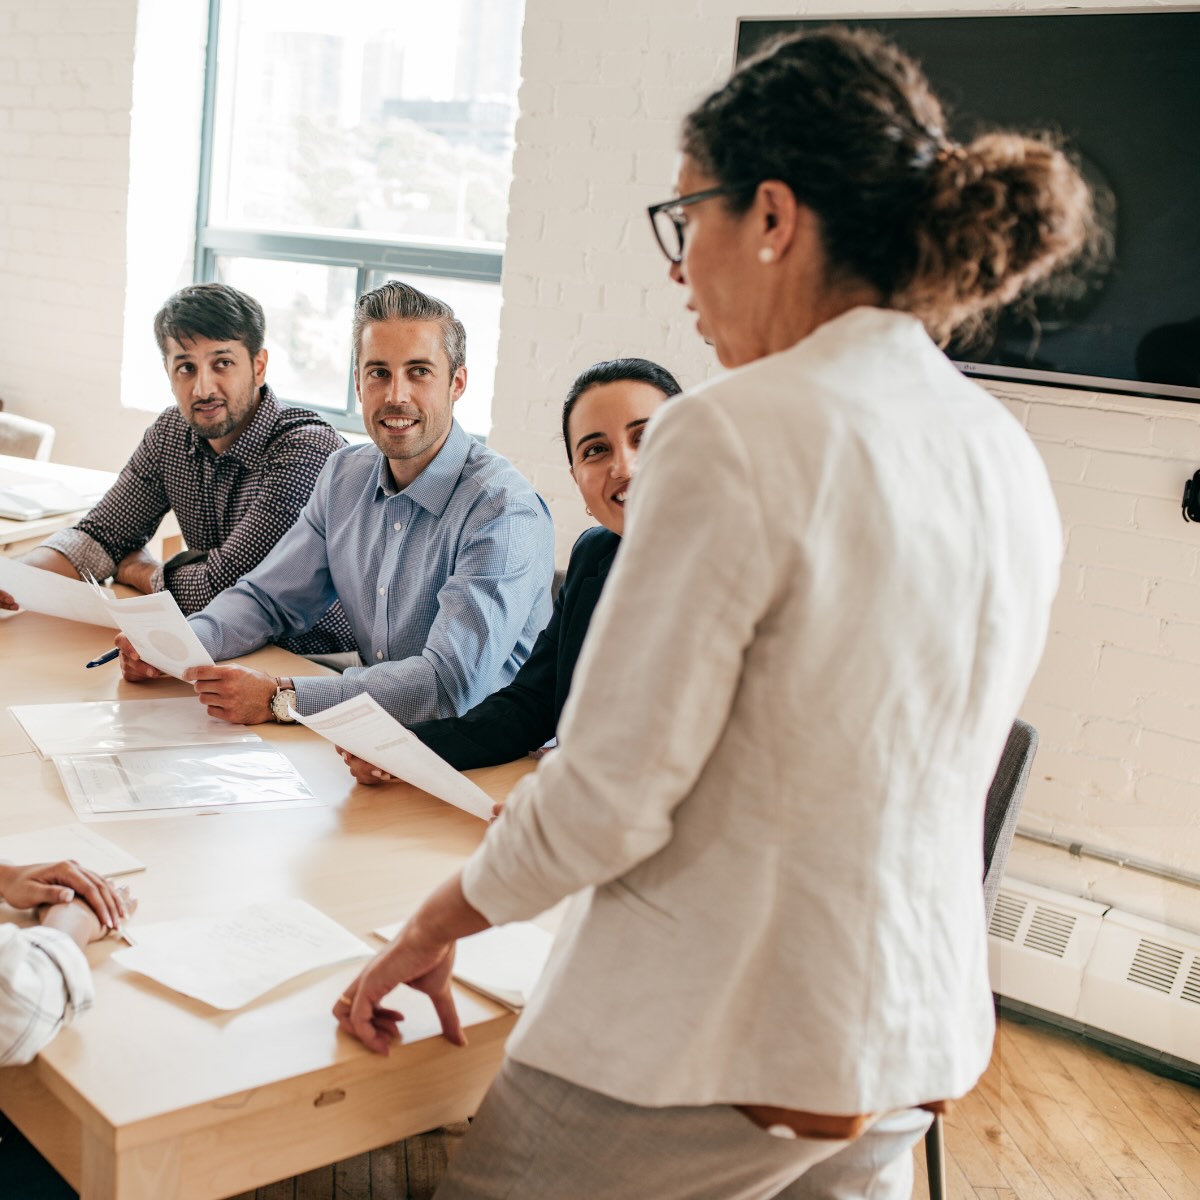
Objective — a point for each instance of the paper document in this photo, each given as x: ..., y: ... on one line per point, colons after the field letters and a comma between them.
x: 79, y: 842
x: 504, y: 962
x: 104, y: 726
x: 159, y: 632
x: 362, y: 727
x: 145, y: 782
x: 37, y: 498
x: 56, y: 595
x: 228, y: 961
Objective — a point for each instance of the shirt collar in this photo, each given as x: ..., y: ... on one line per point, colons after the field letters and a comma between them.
x: 435, y: 485
x: 252, y: 441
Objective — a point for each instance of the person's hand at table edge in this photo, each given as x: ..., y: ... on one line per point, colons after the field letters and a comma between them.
x: 364, y: 772
x: 61, y: 883
x: 421, y: 955
x: 137, y: 569
x: 133, y: 669
x: 239, y: 695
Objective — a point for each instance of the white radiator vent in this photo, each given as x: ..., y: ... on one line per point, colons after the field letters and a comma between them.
x: 1038, y: 944
x: 1142, y: 982
x: 1191, y: 987
x: 1006, y: 916
x: 1050, y: 931
x: 1155, y: 966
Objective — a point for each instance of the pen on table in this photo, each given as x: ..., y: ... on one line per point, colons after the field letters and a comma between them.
x: 99, y: 662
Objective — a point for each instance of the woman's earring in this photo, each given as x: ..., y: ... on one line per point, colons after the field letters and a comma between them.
x: 766, y: 255
x: 587, y: 510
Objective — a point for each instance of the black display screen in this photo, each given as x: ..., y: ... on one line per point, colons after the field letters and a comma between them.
x: 1123, y: 89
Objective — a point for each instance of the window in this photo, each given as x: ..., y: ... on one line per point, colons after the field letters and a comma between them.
x: 350, y: 143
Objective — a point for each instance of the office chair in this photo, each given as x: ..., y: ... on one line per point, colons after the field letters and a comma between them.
x: 23, y: 437
x: 999, y: 825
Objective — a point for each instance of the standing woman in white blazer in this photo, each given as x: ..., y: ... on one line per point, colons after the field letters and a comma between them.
x: 833, y: 592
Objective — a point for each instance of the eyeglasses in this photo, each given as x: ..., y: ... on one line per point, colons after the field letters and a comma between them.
x: 668, y: 222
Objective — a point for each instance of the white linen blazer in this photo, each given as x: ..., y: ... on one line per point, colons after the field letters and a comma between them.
x: 832, y: 594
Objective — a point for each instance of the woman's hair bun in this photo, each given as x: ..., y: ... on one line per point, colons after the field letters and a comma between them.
x: 1003, y: 212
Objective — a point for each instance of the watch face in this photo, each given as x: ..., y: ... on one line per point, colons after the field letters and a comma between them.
x: 281, y: 702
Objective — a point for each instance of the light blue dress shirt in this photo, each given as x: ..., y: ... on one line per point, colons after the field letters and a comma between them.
x: 446, y: 584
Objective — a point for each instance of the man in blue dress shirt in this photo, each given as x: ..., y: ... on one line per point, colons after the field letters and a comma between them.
x: 439, y: 550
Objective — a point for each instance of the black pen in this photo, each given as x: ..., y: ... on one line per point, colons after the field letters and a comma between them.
x: 99, y: 662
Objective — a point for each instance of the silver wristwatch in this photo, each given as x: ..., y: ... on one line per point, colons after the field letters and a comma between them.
x: 283, y: 701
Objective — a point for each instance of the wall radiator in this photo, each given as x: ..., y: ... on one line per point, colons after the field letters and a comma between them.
x: 1120, y: 978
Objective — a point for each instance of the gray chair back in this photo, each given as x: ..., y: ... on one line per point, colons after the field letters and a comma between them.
x: 1004, y: 807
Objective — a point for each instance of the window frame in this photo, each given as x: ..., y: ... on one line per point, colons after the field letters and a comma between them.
x: 476, y: 262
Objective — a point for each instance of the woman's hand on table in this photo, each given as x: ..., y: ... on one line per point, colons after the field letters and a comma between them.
x: 61, y: 883
x: 78, y: 920
x: 364, y: 772
x: 421, y: 955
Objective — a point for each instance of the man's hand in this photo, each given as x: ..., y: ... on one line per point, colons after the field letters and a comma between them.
x: 136, y: 570
x: 133, y: 668
x: 235, y: 694
x: 61, y: 883
x: 364, y: 772
x: 8, y: 603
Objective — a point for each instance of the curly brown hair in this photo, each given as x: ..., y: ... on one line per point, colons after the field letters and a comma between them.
x: 848, y: 121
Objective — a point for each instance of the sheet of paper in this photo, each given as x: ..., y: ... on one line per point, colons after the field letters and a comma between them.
x: 361, y: 726
x: 55, y: 595
x: 105, y: 726
x: 142, y: 782
x: 504, y: 962
x: 159, y: 632
x: 79, y: 842
x: 228, y: 961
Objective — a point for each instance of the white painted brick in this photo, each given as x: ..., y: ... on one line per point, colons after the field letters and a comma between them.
x: 1164, y: 519
x: 1181, y: 640
x: 1179, y: 437
x: 1108, y: 739
x: 1141, y: 474
x: 1143, y: 675
x: 1103, y: 626
x: 33, y: 120
x: 1168, y: 598
x: 1153, y: 557
x: 1067, y: 669
x: 1118, y: 589
x: 1094, y: 506
x: 1093, y: 777
x: 1174, y: 757
x: 1091, y: 427
x: 1058, y: 727
x: 1165, y: 715
x: 1165, y: 798
x: 1064, y: 463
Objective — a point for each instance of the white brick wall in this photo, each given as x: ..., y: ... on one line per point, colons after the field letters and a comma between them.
x: 65, y: 88
x: 1117, y: 699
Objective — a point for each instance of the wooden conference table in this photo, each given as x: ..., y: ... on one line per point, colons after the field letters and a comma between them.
x: 154, y: 1096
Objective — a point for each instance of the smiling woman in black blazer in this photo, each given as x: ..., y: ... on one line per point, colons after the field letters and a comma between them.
x: 604, y: 417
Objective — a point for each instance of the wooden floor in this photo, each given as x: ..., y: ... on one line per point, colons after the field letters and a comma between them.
x: 1052, y: 1119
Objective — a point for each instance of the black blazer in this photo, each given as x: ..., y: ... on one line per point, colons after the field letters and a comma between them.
x: 524, y: 715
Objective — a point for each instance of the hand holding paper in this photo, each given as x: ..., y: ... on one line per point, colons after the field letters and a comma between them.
x: 366, y: 730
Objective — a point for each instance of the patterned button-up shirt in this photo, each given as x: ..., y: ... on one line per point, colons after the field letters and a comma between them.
x: 44, y: 984
x: 232, y: 508
x: 446, y: 584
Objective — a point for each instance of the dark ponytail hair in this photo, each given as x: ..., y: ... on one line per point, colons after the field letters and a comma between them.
x: 850, y: 124
x: 616, y: 370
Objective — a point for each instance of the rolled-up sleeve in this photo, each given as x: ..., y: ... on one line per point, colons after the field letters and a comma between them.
x: 124, y: 519
x: 44, y: 984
